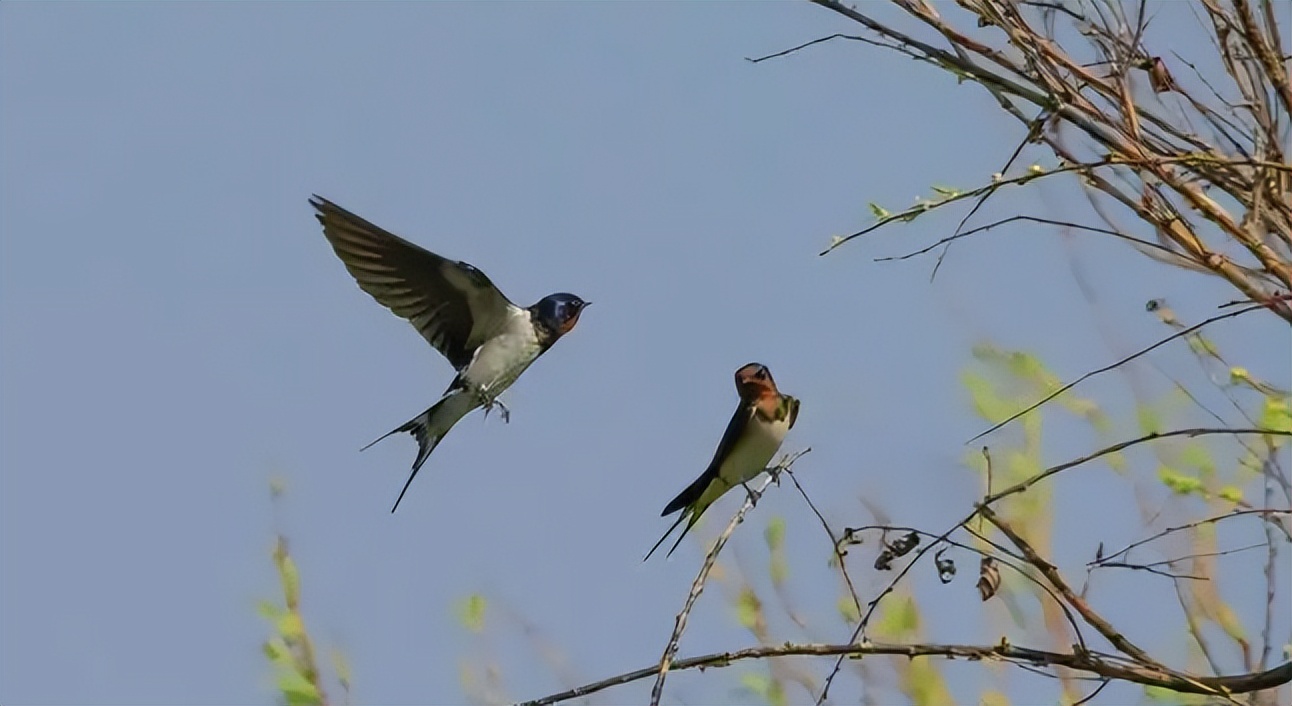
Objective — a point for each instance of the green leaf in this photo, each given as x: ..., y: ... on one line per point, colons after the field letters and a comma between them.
x: 879, y: 212
x: 1149, y: 420
x: 1178, y: 482
x: 779, y: 569
x: 1232, y: 493
x: 471, y: 611
x: 290, y: 626
x: 987, y: 403
x: 848, y: 610
x: 268, y: 610
x: 748, y: 608
x: 1196, y: 456
x: 901, y: 618
x: 1200, y: 345
x: 776, y: 694
x: 775, y: 533
x: 291, y: 580
x: 341, y: 666
x: 297, y: 690
x: 1028, y: 367
x: 756, y: 682
x: 947, y: 191
x: 993, y: 698
x: 925, y: 684
x: 1169, y: 696
x: 1276, y: 414
x: 1230, y: 623
x: 277, y: 651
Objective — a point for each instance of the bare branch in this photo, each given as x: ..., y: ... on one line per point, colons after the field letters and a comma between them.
x: 1052, y: 575
x: 1171, y: 530
x: 1087, y: 662
x: 1064, y: 388
x: 697, y: 587
x: 834, y: 541
x: 1025, y: 484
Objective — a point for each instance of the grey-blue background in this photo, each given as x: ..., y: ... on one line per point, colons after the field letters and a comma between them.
x: 176, y: 331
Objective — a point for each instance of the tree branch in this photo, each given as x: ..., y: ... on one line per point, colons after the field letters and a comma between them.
x: 1086, y: 662
x: 1113, y: 366
x: 697, y: 587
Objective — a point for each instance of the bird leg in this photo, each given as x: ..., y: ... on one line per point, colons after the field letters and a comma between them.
x: 775, y: 473
x: 491, y: 402
x: 753, y: 495
x: 502, y: 410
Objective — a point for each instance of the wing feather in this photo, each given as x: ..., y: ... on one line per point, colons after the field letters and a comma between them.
x: 452, y: 304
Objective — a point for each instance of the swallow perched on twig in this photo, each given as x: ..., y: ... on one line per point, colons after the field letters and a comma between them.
x: 753, y: 436
x: 488, y: 340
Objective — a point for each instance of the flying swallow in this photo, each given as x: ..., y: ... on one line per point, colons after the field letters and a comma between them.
x: 488, y: 340
x: 753, y: 435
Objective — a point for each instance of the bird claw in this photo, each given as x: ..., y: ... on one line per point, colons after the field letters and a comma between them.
x: 503, y: 412
x: 775, y: 473
x: 753, y: 495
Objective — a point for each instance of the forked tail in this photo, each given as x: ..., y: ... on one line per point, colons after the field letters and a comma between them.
x: 429, y: 428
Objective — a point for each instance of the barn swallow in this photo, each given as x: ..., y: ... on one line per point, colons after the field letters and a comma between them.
x: 753, y: 436
x: 488, y: 340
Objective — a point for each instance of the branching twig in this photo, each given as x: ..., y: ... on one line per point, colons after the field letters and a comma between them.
x: 1171, y: 530
x: 1086, y: 662
x: 1033, y: 480
x: 834, y: 541
x: 697, y: 587
x: 1052, y: 575
x: 1163, y: 251
x: 1064, y: 388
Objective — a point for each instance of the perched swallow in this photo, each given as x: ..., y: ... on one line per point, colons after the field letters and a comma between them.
x: 488, y: 340
x: 753, y: 435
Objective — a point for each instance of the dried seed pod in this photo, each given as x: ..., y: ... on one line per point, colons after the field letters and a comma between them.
x: 884, y: 562
x: 988, y: 578
x: 901, y: 547
x: 946, y: 567
x: 905, y: 544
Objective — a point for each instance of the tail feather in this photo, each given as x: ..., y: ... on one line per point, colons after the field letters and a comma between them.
x: 689, y: 502
x: 690, y: 495
x: 681, y: 517
x: 429, y: 429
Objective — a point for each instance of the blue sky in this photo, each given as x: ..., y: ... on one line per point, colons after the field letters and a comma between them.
x: 176, y: 331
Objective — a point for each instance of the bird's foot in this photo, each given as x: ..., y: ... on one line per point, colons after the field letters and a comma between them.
x: 753, y: 494
x: 775, y: 473
x: 502, y: 410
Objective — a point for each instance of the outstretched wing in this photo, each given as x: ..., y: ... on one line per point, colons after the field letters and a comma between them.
x: 452, y: 304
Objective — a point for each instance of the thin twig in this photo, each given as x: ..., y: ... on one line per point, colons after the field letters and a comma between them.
x: 834, y: 541
x: 1149, y: 568
x: 697, y: 586
x: 1033, y: 480
x: 1104, y: 682
x: 1052, y: 575
x: 1086, y: 662
x: 1164, y: 252
x: 1064, y: 388
x: 1171, y: 530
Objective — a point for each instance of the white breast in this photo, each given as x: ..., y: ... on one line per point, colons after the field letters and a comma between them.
x: 750, y: 456
x: 504, y: 357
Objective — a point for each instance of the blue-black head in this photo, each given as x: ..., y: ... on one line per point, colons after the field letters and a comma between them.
x: 558, y: 313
